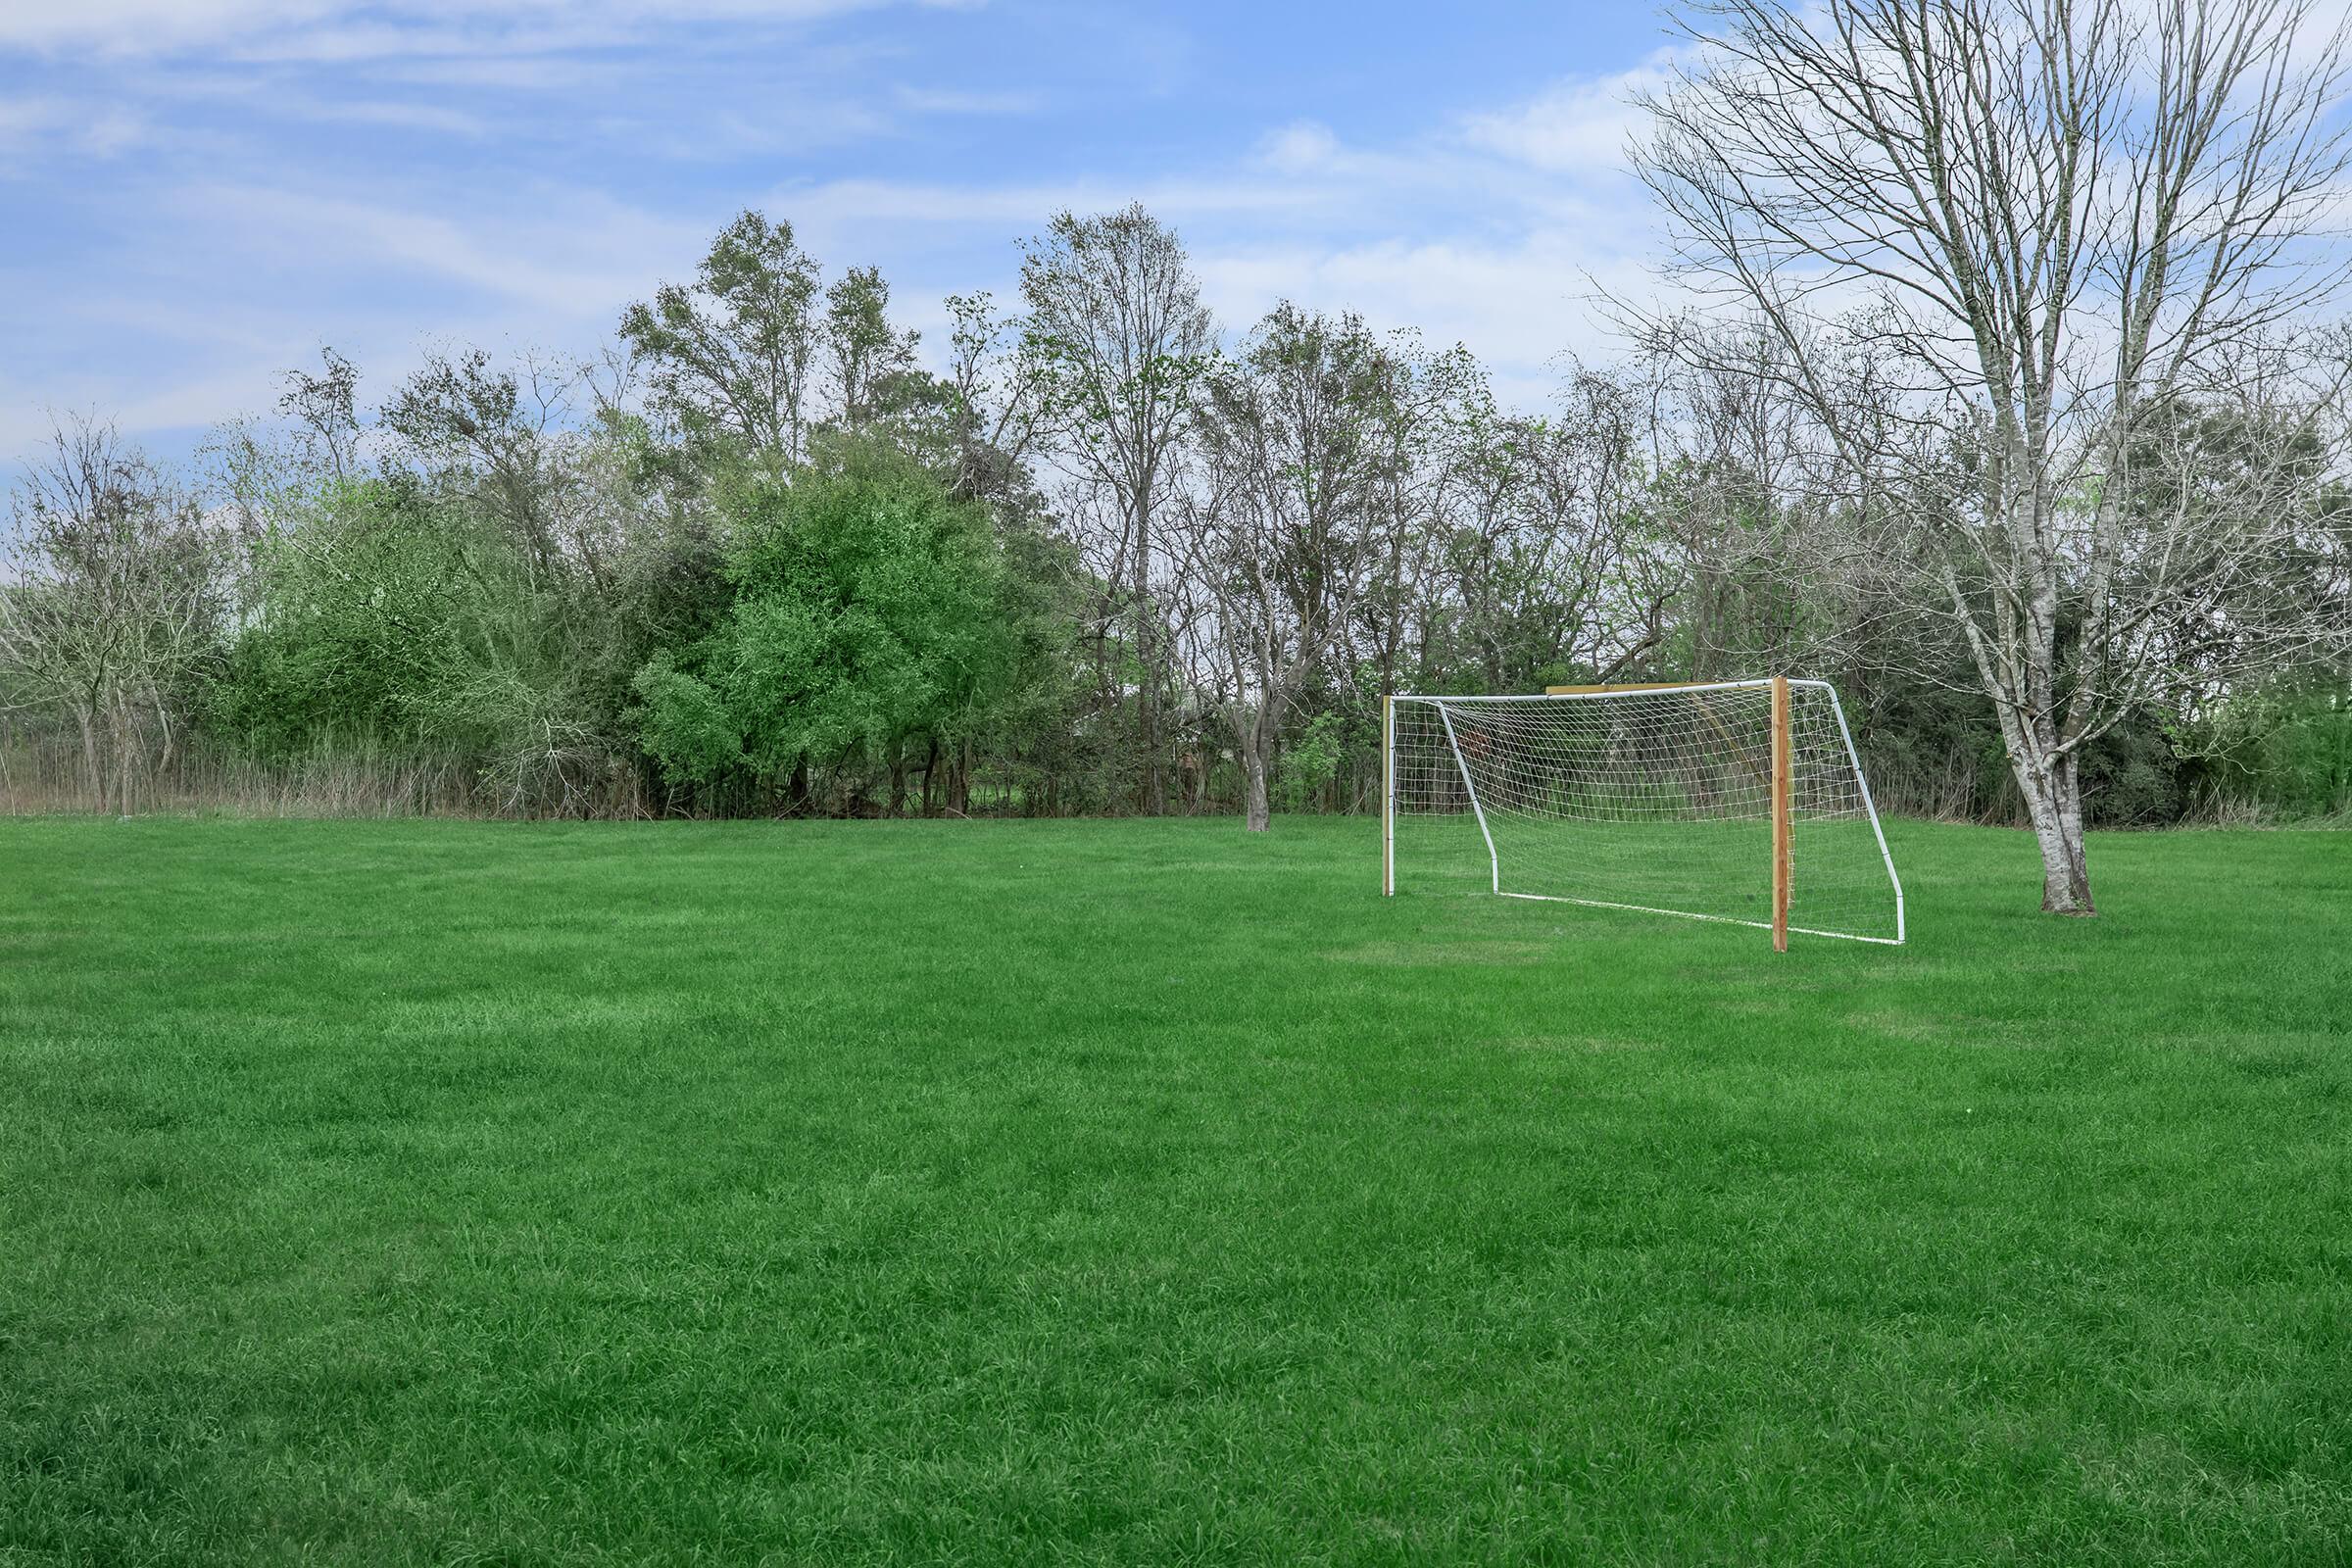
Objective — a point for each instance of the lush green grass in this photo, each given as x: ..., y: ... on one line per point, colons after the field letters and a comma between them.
x: 1143, y: 1192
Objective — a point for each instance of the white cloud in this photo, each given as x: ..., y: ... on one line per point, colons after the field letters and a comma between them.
x: 846, y: 208
x: 562, y: 254
x: 37, y: 125
x: 1519, y: 305
x: 340, y: 30
x: 148, y: 26
x: 1509, y: 231
x: 339, y: 44
x: 1579, y: 127
x: 1298, y: 147
x: 209, y: 331
x: 942, y: 101
x: 504, y: 73
x: 389, y: 112
x: 1493, y: 230
x: 1500, y: 232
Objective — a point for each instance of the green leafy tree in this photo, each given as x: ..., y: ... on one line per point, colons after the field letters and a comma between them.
x: 729, y: 355
x: 870, y: 361
x: 875, y: 624
x: 368, y: 616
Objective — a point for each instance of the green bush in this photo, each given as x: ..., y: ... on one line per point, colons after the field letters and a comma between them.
x: 874, y: 617
x: 1309, y: 764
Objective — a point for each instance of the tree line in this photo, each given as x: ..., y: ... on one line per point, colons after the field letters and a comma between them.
x: 2007, y: 395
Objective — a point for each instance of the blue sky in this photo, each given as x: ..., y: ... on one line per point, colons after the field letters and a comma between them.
x: 195, y: 194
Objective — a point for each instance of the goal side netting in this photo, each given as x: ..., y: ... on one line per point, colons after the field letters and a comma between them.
x: 1739, y: 800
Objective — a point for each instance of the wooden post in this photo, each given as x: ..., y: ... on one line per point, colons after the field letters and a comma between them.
x: 1781, y: 768
x: 1388, y: 797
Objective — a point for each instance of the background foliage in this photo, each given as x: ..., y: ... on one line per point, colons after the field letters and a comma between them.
x: 761, y: 560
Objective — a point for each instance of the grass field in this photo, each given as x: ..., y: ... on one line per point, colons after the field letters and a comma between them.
x: 1139, y: 1192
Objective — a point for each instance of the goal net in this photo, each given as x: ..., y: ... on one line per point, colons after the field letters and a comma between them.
x: 1739, y: 800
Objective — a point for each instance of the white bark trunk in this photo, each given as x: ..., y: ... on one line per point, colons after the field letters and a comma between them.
x: 1259, y: 816
x: 2054, y: 806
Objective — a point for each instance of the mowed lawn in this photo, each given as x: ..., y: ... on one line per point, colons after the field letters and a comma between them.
x: 1144, y: 1192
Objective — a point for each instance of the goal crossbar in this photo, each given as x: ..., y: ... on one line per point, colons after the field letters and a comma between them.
x: 1634, y: 796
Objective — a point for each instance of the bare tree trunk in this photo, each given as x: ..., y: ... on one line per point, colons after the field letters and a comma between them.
x: 2073, y: 895
x: 795, y: 789
x: 2057, y: 820
x: 1252, y: 744
x: 124, y: 753
x: 1258, y: 814
x: 2052, y: 790
x: 1155, y: 797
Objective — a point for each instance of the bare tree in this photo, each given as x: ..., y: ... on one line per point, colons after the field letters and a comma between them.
x: 1275, y: 534
x: 1550, y: 552
x: 1993, y: 239
x: 501, y: 434
x: 991, y: 399
x: 324, y: 410
x: 1118, y: 338
x: 108, y: 600
x: 1421, y: 477
x: 261, y: 472
x: 2239, y: 486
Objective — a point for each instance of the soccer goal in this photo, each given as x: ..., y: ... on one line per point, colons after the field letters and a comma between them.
x: 1736, y: 801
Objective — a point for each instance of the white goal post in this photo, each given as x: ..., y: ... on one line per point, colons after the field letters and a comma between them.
x: 1736, y: 801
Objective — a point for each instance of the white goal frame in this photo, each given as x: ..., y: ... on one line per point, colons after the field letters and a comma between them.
x: 1782, y: 795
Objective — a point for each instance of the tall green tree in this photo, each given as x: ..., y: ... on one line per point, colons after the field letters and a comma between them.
x: 729, y: 356
x: 875, y: 626
x: 868, y: 361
